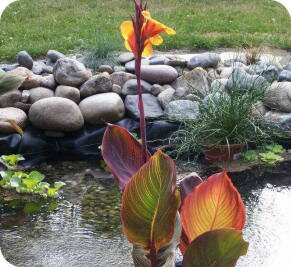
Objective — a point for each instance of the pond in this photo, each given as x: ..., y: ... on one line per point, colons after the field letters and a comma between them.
x: 83, y: 229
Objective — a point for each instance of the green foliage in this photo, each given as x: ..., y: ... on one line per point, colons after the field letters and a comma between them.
x: 22, y: 182
x: 275, y: 148
x: 71, y: 24
x: 270, y: 158
x: 9, y: 82
x: 250, y: 155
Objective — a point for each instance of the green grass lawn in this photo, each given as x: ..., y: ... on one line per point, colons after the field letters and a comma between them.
x: 76, y: 25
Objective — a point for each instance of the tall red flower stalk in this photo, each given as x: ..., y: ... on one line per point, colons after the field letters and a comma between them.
x: 138, y: 22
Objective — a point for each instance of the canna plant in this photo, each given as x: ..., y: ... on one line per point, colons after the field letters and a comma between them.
x: 207, y: 225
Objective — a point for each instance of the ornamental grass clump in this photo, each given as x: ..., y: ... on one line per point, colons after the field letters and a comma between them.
x: 207, y: 225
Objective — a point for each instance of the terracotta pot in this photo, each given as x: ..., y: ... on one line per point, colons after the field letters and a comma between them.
x: 221, y: 153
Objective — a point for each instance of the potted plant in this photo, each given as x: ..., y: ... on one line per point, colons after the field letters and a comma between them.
x: 225, y: 126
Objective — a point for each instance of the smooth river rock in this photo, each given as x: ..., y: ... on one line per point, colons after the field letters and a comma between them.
x: 54, y: 55
x: 121, y: 77
x: 10, y: 98
x: 70, y: 72
x: 39, y: 93
x: 56, y: 114
x: 159, y: 74
x: 25, y: 60
x: 68, y: 92
x: 102, y: 108
x: 14, y: 114
x: 97, y: 84
x: 152, y: 106
x: 204, y: 60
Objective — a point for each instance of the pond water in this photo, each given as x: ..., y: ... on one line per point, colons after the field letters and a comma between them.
x: 83, y: 229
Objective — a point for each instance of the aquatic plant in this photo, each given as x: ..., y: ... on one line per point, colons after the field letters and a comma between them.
x: 212, y: 212
x: 22, y: 182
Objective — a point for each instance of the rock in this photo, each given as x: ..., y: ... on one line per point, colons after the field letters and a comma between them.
x: 119, y: 68
x: 278, y: 96
x: 130, y: 87
x: 176, y: 62
x: 102, y: 108
x: 48, y: 82
x: 54, y: 55
x: 243, y: 81
x: 99, y: 83
x: 157, y: 60
x: 31, y: 80
x: 25, y: 60
x: 182, y: 110
x: 125, y: 57
x: 156, y: 89
x: 284, y: 119
x: 70, y: 72
x: 152, y: 107
x: 288, y: 67
x: 130, y: 66
x: 190, y: 97
x: 204, y: 60
x: 10, y: 67
x: 68, y: 92
x: 160, y: 74
x: 54, y: 134
x: 212, y: 75
x: 23, y: 106
x: 116, y: 89
x: 259, y: 109
x: 120, y: 78
x: 218, y: 85
x: 14, y: 114
x: 25, y: 96
x: 181, y: 92
x: 166, y: 96
x: 10, y: 98
x: 56, y: 114
x: 105, y: 68
x: 194, y: 80
x: 38, y: 67
x: 39, y: 93
x: 269, y: 72
x: 226, y: 72
x: 285, y: 75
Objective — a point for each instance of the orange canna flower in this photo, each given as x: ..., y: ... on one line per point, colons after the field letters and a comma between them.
x: 149, y: 34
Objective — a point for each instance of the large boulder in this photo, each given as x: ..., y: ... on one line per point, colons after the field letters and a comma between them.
x: 182, y: 110
x: 56, y: 114
x: 278, y: 96
x: 195, y: 80
x: 121, y: 77
x: 70, y: 72
x: 152, y: 108
x: 130, y: 87
x: 68, y: 92
x: 39, y: 93
x: 25, y: 60
x: 204, y: 60
x: 14, y: 114
x: 98, y: 84
x: 102, y: 108
x: 159, y: 74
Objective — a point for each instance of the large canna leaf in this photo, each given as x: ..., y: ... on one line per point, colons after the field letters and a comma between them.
x: 150, y: 203
x: 217, y: 248
x: 187, y: 185
x: 213, y: 204
x: 122, y: 153
x: 9, y: 82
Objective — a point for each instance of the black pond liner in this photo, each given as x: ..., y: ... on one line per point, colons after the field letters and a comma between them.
x: 36, y: 147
